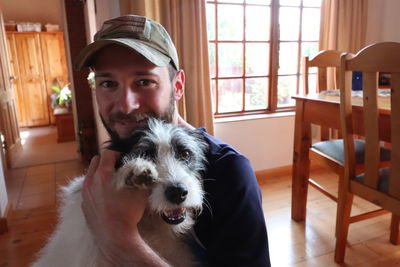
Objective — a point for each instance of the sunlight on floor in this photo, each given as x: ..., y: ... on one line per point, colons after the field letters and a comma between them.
x: 24, y: 135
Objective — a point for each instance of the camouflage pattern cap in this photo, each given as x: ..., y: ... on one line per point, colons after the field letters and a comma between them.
x: 147, y: 37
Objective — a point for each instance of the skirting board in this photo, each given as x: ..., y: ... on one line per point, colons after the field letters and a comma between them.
x: 279, y: 171
x: 3, y: 220
x: 262, y: 175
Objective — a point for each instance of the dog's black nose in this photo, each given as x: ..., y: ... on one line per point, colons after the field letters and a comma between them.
x: 176, y: 193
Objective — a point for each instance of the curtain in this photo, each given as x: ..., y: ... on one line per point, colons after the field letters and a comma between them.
x: 185, y: 20
x: 343, y: 25
x: 343, y: 28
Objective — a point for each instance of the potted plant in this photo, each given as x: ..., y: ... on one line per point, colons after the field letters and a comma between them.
x: 62, y: 97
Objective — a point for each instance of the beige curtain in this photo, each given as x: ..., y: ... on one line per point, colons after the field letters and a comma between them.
x: 343, y: 28
x: 185, y: 20
x: 343, y: 25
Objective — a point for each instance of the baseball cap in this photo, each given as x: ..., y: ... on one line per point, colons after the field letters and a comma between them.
x: 145, y: 36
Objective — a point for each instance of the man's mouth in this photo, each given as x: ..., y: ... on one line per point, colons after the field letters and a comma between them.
x: 174, y: 216
x: 129, y: 125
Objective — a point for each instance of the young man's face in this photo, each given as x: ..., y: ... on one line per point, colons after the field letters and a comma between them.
x: 129, y: 88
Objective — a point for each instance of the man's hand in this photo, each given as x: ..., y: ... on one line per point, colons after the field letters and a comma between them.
x: 111, y: 215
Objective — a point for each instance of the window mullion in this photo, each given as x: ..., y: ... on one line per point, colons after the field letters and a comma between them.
x: 274, y: 56
x: 244, y: 61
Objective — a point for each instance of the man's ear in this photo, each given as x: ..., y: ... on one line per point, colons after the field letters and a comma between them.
x: 179, y: 85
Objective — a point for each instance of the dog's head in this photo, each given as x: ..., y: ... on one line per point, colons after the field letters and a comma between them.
x: 169, y: 160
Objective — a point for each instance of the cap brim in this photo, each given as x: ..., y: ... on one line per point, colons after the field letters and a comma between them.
x: 85, y: 57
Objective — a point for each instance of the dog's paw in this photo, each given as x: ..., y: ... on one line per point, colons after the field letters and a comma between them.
x: 137, y: 172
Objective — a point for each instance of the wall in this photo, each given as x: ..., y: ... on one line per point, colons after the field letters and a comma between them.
x: 43, y: 11
x: 267, y: 142
x: 383, y: 21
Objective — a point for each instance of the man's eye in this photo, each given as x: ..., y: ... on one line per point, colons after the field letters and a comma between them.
x: 108, y: 84
x: 145, y: 82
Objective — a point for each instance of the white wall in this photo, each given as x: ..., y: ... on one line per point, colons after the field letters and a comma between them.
x: 267, y: 142
x: 383, y: 21
x: 43, y: 11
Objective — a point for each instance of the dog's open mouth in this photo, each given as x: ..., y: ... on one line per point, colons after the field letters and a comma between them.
x: 174, y: 216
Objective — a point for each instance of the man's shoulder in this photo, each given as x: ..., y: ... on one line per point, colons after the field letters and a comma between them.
x: 218, y: 150
x: 226, y: 164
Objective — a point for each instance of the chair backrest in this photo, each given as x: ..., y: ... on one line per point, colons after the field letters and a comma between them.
x: 375, y: 58
x: 322, y: 61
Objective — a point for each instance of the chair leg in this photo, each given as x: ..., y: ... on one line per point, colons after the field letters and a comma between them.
x: 345, y: 202
x: 394, y: 229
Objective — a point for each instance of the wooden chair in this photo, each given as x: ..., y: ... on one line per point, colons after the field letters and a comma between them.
x: 380, y: 186
x: 322, y: 61
x: 329, y: 151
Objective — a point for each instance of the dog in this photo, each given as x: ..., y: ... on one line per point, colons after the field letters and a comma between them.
x: 165, y: 158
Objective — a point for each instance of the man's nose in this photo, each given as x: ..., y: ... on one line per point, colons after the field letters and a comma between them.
x: 128, y: 101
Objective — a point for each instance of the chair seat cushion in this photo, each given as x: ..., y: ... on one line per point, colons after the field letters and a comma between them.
x: 335, y: 149
x: 383, y: 184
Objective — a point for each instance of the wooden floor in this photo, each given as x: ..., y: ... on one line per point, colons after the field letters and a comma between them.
x: 33, y: 192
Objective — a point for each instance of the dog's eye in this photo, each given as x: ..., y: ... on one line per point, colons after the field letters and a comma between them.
x: 184, y: 155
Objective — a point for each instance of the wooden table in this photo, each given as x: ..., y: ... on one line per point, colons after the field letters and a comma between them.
x: 323, y: 110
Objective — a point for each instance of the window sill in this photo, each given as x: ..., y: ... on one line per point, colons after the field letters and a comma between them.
x: 255, y: 117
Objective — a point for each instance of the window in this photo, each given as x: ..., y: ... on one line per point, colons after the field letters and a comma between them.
x: 255, y: 51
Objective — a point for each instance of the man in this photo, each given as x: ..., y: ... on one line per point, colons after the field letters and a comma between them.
x: 137, y: 75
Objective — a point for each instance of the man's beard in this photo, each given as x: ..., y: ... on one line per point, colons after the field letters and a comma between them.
x: 166, y: 116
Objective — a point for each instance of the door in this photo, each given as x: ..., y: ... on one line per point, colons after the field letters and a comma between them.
x: 54, y: 63
x: 8, y: 117
x: 34, y: 95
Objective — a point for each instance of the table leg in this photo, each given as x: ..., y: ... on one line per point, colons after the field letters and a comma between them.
x: 301, y: 164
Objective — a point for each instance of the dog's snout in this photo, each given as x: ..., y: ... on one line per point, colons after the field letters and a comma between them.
x: 176, y: 193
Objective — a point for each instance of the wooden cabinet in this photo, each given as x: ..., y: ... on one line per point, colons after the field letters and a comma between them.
x: 37, y: 62
x: 65, y: 125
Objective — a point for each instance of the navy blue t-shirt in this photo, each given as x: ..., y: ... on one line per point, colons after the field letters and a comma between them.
x: 231, y: 229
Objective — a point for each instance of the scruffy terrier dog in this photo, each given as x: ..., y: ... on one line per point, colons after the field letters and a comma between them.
x: 166, y: 158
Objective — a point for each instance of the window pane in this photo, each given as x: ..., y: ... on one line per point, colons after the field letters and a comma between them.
x: 257, y: 59
x: 260, y: 2
x: 288, y: 58
x: 230, y: 1
x: 310, y: 26
x: 257, y: 23
x: 287, y: 86
x: 256, y: 93
x: 230, y: 22
x: 210, y: 12
x: 289, y: 2
x: 309, y: 49
x: 230, y: 60
x: 211, y: 57
x: 289, y: 23
x: 314, y: 3
x: 230, y: 95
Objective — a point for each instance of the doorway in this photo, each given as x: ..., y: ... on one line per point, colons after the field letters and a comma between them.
x: 35, y: 62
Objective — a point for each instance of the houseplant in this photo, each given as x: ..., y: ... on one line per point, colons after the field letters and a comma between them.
x: 62, y: 97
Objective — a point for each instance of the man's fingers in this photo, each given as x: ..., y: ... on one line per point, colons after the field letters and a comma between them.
x: 108, y: 159
x: 94, y: 163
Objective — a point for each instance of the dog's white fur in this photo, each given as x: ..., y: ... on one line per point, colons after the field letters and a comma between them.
x: 72, y: 243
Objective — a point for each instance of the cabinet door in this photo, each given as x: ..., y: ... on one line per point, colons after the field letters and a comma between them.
x: 54, y: 62
x: 33, y: 90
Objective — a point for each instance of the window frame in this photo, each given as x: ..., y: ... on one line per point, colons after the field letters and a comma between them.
x: 272, y: 75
